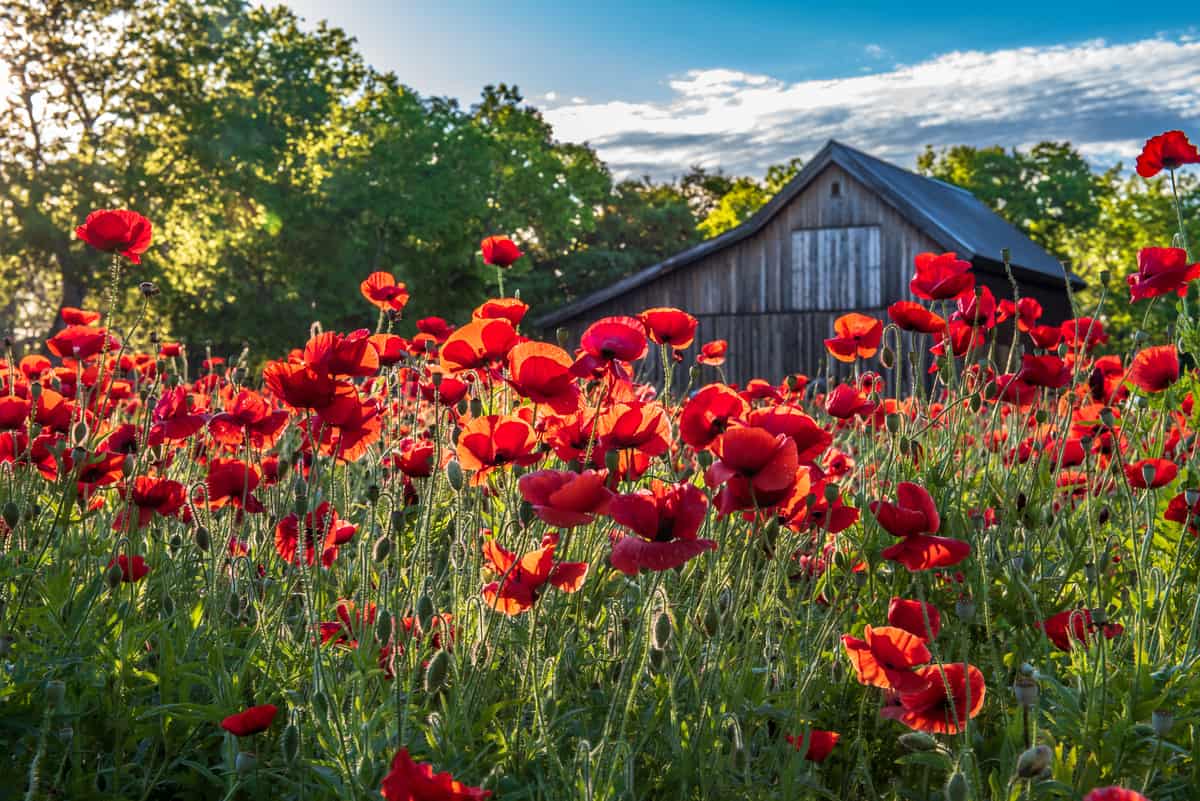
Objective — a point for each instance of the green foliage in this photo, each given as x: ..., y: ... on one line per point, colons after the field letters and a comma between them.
x: 746, y: 196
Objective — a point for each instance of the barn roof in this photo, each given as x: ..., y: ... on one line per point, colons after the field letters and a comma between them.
x: 950, y: 215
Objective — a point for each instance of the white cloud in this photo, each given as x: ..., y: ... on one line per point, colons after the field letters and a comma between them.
x: 874, y: 51
x: 1105, y: 98
x: 551, y: 96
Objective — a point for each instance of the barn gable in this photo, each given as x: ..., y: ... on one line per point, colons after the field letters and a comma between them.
x: 841, y: 236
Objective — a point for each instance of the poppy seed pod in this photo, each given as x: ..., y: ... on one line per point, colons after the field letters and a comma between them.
x: 710, y: 622
x: 563, y: 336
x: 35, y: 390
x: 148, y: 289
x: 1034, y: 761
x: 1026, y: 690
x: 56, y: 694
x: 1162, y: 720
x: 438, y: 672
x: 964, y: 608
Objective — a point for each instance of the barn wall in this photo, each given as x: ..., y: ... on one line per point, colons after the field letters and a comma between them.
x: 743, y: 293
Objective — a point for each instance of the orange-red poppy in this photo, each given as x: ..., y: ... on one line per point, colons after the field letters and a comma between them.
x: 857, y: 336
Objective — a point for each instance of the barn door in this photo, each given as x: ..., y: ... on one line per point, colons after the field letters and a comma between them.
x: 836, y: 268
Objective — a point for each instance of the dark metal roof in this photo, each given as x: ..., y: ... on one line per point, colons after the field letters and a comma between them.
x: 950, y: 215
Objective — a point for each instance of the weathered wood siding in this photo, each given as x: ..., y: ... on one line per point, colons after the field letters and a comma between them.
x: 750, y: 295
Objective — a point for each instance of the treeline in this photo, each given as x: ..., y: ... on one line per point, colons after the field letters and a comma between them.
x: 279, y: 169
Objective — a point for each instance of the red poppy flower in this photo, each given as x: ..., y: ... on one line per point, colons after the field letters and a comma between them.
x: 170, y: 350
x: 668, y: 326
x: 173, y: 418
x: 322, y: 528
x: 926, y: 552
x: 911, y: 316
x: 910, y: 615
x: 608, y: 342
x: 73, y: 316
x: 1167, y: 151
x: 1151, y: 473
x: 248, y: 418
x: 858, y: 336
x: 1154, y: 369
x: 756, y: 467
x: 117, y: 231
x: 416, y: 781
x: 635, y: 425
x: 1045, y: 336
x: 820, y: 743
x: 348, y: 435
x: 708, y: 413
x: 566, y: 499
x: 934, y: 711
x: 232, y: 482
x: 1114, y: 793
x: 1083, y: 333
x: 960, y: 340
x: 97, y: 470
x: 1161, y: 271
x: 913, y: 512
x: 542, y: 373
x: 811, y: 440
x: 511, y: 309
x: 153, y: 495
x: 435, y: 327
x: 391, y: 348
x: 499, y: 251
x: 478, y: 344
x: 384, y: 292
x: 845, y: 401
x: 131, y: 570
x: 1014, y: 389
x: 14, y: 412
x: 664, y: 520
x: 713, y: 353
x: 81, y: 342
x: 1178, y: 512
x: 254, y: 720
x: 976, y: 307
x: 886, y: 656
x: 414, y: 457
x: 487, y: 443
x: 1075, y: 626
x: 941, y: 277
x: 520, y: 582
x: 1044, y: 371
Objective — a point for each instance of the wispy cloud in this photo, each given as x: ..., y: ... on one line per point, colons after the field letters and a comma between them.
x: 875, y: 51
x: 1105, y: 98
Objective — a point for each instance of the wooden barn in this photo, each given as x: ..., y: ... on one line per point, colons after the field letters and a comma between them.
x: 840, y: 237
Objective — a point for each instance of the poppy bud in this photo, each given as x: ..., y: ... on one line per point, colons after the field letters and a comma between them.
x: 437, y: 672
x: 234, y: 605
x: 917, y: 741
x: 320, y: 704
x: 373, y: 493
x: 662, y: 631
x: 525, y: 513
x: 887, y: 356
x: 1034, y: 761
x: 657, y: 658
x: 201, y: 538
x: 612, y: 460
x: 289, y: 743
x: 475, y: 406
x: 128, y: 465
x: 563, y: 335
x: 1104, y: 515
x: 705, y: 458
x: 12, y: 514
x: 454, y: 474
x: 245, y: 763
x: 56, y: 694
x: 79, y: 433
x: 112, y: 576
x: 383, y: 547
x: 383, y: 626
x: 1162, y: 720
x: 1026, y: 690
x: 35, y: 391
x: 480, y: 654
x: 1099, y: 616
x: 893, y: 422
x: 148, y: 289
x: 694, y: 374
x: 424, y: 612
x: 1140, y: 336
x: 957, y: 788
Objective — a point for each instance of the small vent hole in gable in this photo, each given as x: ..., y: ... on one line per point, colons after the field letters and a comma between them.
x: 835, y: 189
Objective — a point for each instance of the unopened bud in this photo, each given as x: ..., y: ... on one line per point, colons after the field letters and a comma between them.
x: 563, y: 335
x: 917, y: 741
x: 425, y: 611
x: 1034, y: 761
x: 12, y: 514
x: 710, y: 622
x: 957, y: 788
x: 454, y: 474
x: 438, y: 672
x: 662, y: 631
x: 382, y: 548
x: 202, y: 538
x: 245, y: 763
x: 289, y: 743
x: 112, y: 576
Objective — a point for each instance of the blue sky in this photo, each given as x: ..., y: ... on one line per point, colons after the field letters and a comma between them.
x: 741, y: 85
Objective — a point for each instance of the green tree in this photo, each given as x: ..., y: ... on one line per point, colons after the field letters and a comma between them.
x: 746, y: 196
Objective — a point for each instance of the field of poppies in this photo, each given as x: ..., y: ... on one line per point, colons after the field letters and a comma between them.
x: 475, y: 563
